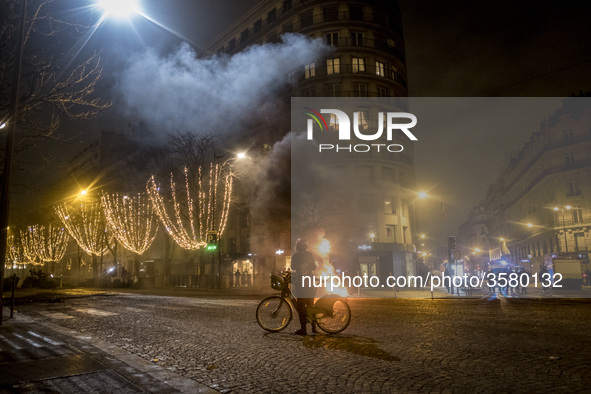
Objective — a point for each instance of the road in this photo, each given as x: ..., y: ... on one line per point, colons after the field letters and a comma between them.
x: 392, y: 345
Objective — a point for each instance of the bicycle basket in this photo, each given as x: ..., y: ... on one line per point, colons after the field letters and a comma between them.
x: 277, y: 282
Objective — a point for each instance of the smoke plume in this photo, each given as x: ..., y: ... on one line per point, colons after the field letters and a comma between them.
x: 183, y: 92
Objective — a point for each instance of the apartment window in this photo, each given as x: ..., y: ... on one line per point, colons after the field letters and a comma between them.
x: 333, y: 66
x: 357, y: 39
x: 390, y: 206
x: 380, y: 69
x: 405, y: 208
x: 286, y: 5
x: 362, y: 119
x: 359, y: 90
x: 232, y: 44
x: 258, y: 25
x: 577, y: 215
x: 333, y: 123
x: 356, y: 12
x: 568, y: 135
x: 390, y: 233
x: 333, y: 90
x: 395, y: 75
x: 244, y: 36
x: 570, y: 160
x: 382, y: 91
x: 308, y: 92
x: 272, y: 15
x: 291, y: 78
x: 287, y: 27
x: 306, y: 18
x: 310, y: 71
x: 330, y: 14
x: 358, y: 64
x: 573, y: 188
x: 332, y: 39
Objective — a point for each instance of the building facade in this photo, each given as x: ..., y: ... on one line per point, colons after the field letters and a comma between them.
x: 541, y: 203
x: 366, y: 59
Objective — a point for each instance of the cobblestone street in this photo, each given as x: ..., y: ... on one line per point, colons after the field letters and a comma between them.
x: 393, y: 345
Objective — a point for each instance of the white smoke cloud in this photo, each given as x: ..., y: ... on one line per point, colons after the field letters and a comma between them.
x: 183, y: 92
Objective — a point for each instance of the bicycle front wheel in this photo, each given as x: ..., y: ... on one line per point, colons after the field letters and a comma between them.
x: 274, y: 313
x: 336, y: 318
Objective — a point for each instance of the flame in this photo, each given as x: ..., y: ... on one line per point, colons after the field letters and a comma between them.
x: 325, y: 268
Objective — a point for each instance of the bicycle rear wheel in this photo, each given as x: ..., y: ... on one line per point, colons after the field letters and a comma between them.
x: 274, y: 313
x: 336, y: 317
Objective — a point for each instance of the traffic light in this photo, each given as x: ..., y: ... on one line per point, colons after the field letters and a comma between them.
x: 212, y: 240
x: 451, y: 243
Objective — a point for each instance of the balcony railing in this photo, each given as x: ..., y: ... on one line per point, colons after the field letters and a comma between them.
x: 285, y: 20
x: 322, y: 70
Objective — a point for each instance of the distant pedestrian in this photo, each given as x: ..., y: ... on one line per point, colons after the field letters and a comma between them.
x: 237, y: 275
x: 448, y: 277
x: 544, y: 277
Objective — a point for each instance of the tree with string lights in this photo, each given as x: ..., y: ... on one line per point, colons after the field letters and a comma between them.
x: 132, y: 221
x: 48, y: 243
x: 198, y: 206
x: 86, y: 223
x: 189, y: 214
x: 27, y: 245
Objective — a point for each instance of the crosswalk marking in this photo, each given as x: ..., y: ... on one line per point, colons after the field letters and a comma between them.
x: 48, y: 340
x: 29, y: 341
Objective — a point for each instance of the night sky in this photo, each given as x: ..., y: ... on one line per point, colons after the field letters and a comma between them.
x: 453, y: 48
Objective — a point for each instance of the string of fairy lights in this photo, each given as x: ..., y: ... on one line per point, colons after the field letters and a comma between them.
x: 214, y: 192
x: 131, y: 219
x: 87, y: 225
x: 187, y: 213
x: 49, y: 242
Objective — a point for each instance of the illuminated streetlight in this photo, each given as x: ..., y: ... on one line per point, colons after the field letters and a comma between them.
x: 241, y: 155
x: 119, y: 8
x: 530, y: 225
x: 422, y: 195
x: 2, y: 125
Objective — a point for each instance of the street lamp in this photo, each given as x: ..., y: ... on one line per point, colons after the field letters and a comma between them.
x: 119, y: 8
x: 238, y: 156
x: 10, y: 137
x: 561, y: 209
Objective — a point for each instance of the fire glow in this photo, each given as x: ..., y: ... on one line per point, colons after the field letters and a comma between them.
x: 325, y: 269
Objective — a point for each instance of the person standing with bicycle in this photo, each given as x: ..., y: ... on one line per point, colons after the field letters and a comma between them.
x: 302, y: 264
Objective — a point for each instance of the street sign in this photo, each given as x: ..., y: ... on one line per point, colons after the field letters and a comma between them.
x: 212, y: 240
x: 212, y: 237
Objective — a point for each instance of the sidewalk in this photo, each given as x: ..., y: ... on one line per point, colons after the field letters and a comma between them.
x: 43, y: 357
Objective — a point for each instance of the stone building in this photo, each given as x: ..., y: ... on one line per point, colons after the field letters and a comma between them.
x: 366, y: 59
x: 541, y: 203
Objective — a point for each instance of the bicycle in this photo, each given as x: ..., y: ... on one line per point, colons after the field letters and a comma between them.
x: 330, y: 313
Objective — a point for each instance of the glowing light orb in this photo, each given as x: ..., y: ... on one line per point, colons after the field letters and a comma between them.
x: 119, y: 8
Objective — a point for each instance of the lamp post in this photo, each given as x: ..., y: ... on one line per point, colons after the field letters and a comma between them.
x: 239, y: 156
x: 561, y: 209
x: 10, y: 136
